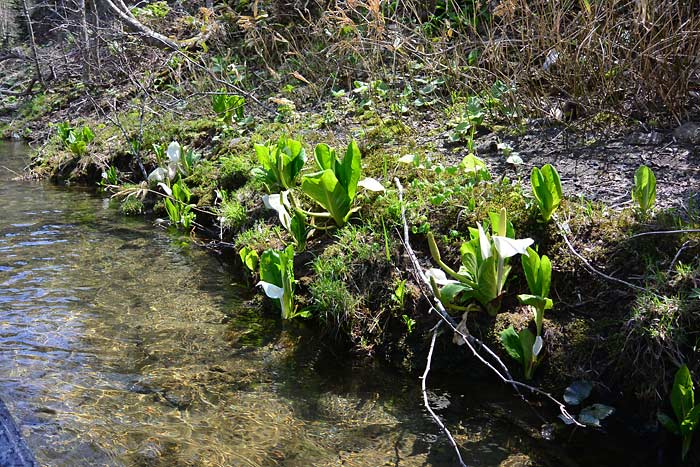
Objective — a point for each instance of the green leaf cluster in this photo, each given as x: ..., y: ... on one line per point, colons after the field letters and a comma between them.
x: 484, y: 270
x: 524, y: 347
x: 644, y: 190
x: 178, y: 205
x: 281, y: 164
x: 684, y: 408
x: 538, y: 273
x: 334, y: 186
x: 546, y: 187
x: 75, y: 139
x: 229, y: 107
x: 249, y: 258
x: 277, y: 279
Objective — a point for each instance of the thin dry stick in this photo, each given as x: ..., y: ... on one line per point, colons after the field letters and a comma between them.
x: 678, y: 255
x: 470, y: 340
x: 665, y: 232
x: 425, y: 397
x: 589, y: 266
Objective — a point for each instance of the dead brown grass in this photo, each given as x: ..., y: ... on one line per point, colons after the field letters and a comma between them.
x: 632, y: 55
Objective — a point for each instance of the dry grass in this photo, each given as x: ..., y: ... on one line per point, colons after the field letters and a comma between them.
x: 610, y: 54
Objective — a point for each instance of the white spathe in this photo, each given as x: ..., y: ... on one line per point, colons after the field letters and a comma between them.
x: 507, y: 247
x: 271, y: 290
x: 174, y: 152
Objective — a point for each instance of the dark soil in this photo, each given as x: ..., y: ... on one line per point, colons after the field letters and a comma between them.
x: 600, y: 166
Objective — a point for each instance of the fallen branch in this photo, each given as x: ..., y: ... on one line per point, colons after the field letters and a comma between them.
x: 471, y: 342
x: 149, y: 35
x: 424, y: 385
x: 26, y: 92
x: 13, y: 55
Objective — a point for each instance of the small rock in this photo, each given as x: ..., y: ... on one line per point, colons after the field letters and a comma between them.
x: 487, y: 147
x: 688, y: 133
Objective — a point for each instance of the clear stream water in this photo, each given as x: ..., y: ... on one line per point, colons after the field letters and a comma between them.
x: 122, y: 346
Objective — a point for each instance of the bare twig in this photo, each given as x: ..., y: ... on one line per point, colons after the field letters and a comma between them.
x: 675, y: 258
x: 589, y: 266
x: 664, y: 232
x: 424, y: 385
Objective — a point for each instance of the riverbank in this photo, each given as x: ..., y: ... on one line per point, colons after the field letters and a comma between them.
x: 625, y: 309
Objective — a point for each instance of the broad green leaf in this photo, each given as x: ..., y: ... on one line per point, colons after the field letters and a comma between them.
x: 545, y: 276
x: 527, y: 342
x: 499, y: 222
x: 690, y: 422
x: 469, y: 259
x: 531, y: 267
x: 471, y: 163
x: 644, y: 191
x: 325, y: 189
x: 577, y: 392
x: 263, y: 154
x: 546, y: 187
x: 270, y: 268
x: 487, y: 281
x: 298, y: 229
x: 536, y: 301
x: 511, y: 342
x: 682, y: 393
x: 325, y: 157
x: 451, y: 292
x: 349, y: 170
x: 249, y: 257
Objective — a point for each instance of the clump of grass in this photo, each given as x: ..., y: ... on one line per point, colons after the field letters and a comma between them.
x: 232, y: 214
x: 348, y: 276
x: 131, y: 206
x: 259, y: 237
x: 332, y: 301
x: 234, y: 172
